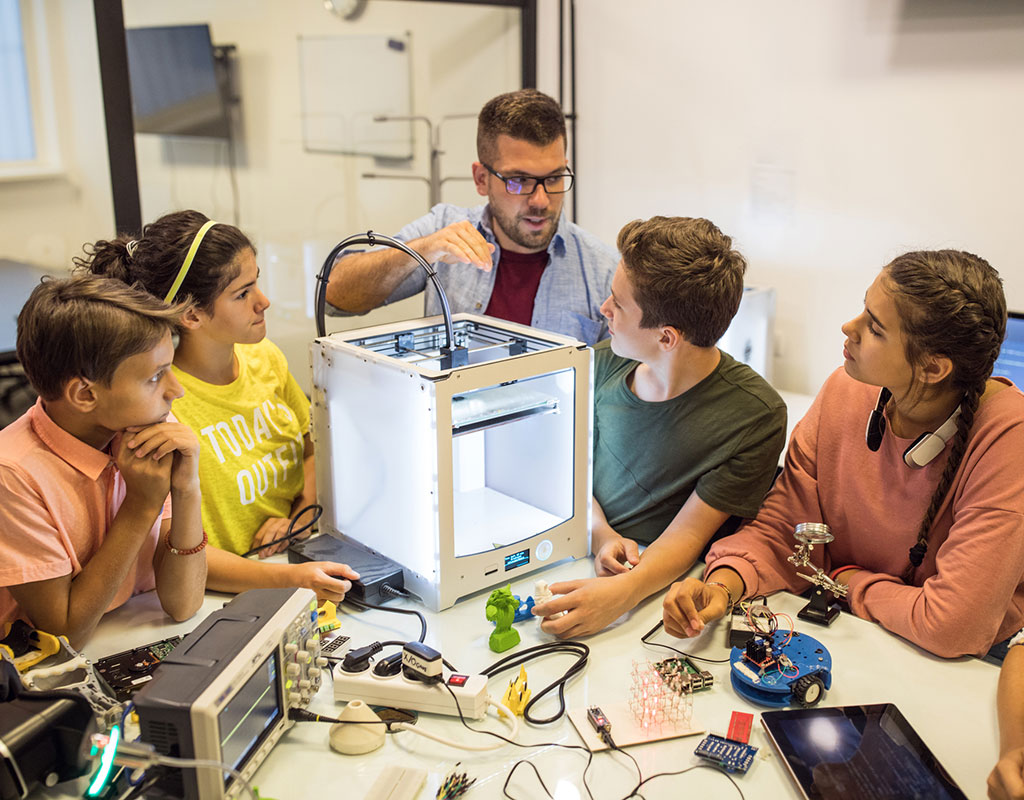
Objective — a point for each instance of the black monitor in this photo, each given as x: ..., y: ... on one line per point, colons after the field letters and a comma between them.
x: 177, y: 86
x: 1010, y: 363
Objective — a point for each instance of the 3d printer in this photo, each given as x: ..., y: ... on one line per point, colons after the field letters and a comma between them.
x: 459, y: 447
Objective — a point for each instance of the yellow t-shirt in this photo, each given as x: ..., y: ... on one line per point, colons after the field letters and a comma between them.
x: 250, y: 437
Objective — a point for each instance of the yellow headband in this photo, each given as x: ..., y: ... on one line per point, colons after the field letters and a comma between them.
x: 196, y: 241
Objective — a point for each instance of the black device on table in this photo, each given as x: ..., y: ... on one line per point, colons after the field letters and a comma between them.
x: 864, y: 752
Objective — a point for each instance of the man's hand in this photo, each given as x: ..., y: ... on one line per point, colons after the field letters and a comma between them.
x: 1006, y: 782
x: 591, y: 605
x: 271, y: 529
x: 146, y: 480
x: 690, y: 604
x: 156, y: 442
x: 614, y: 554
x: 459, y: 243
x: 326, y: 578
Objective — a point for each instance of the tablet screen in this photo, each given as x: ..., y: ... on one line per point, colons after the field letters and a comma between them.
x: 857, y: 753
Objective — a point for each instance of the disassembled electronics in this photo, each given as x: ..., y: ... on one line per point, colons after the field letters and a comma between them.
x: 67, y: 669
x: 823, y: 608
x: 125, y: 673
x: 730, y: 756
x: 225, y: 691
x: 460, y: 450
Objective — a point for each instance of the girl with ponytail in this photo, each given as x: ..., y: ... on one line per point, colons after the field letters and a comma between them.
x: 251, y: 417
x: 927, y: 509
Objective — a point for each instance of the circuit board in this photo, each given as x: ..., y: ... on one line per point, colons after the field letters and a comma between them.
x: 730, y: 756
x: 125, y: 673
x: 682, y: 674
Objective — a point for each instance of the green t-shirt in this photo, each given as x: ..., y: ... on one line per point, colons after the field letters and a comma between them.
x: 721, y: 438
x: 250, y: 443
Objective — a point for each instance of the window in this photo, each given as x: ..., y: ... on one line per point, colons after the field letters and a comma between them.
x: 26, y: 126
x: 17, y: 139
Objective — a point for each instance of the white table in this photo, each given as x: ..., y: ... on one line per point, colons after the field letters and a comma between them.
x: 950, y: 703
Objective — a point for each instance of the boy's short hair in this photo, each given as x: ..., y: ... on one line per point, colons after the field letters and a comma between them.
x: 526, y: 114
x: 684, y: 274
x: 84, y: 327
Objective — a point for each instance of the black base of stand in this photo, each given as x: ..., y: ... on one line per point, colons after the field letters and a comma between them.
x: 822, y: 610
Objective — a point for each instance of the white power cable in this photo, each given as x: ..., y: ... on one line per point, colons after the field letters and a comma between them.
x: 503, y: 711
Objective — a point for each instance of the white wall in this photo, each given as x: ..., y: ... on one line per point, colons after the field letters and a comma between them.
x: 825, y: 136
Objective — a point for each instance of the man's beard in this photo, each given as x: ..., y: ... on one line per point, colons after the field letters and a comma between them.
x: 532, y: 241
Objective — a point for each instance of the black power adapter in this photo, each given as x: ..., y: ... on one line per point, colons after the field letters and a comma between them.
x: 375, y: 571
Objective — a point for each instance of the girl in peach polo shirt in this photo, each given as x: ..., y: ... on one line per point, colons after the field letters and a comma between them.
x: 932, y: 551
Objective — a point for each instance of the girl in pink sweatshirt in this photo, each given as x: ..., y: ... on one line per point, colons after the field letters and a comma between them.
x: 931, y: 548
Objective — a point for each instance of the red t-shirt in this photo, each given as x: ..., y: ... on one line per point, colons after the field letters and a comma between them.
x: 515, y: 286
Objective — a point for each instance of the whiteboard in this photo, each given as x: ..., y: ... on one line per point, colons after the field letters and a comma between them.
x: 346, y: 81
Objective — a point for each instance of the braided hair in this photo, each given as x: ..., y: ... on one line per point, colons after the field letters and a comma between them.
x: 951, y: 304
x: 153, y: 259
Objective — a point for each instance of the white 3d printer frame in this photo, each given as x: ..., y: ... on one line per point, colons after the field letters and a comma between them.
x: 403, y: 447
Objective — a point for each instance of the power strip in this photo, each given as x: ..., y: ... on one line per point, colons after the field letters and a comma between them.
x: 398, y: 691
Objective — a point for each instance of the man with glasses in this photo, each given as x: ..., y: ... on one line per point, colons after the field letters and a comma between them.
x: 515, y: 257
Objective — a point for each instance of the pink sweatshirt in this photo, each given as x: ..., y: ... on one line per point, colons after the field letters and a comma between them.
x: 969, y: 591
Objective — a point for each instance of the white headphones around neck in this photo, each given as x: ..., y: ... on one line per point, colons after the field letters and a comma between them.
x: 923, y: 450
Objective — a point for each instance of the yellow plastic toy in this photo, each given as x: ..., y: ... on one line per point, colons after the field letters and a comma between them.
x: 327, y: 617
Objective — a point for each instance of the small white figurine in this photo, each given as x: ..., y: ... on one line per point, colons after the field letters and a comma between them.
x: 541, y: 594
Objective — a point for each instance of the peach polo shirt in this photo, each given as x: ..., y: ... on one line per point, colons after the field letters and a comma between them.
x: 58, y: 496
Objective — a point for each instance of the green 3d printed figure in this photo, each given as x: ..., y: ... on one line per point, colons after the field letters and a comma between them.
x: 501, y: 610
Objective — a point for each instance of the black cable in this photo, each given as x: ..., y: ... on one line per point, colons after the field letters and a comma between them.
x: 413, y: 612
x: 318, y: 512
x: 587, y: 750
x: 644, y: 639
x: 580, y: 650
x: 508, y: 778
x: 683, y: 772
x: 374, y: 239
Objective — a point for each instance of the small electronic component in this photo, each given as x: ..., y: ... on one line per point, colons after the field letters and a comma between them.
x: 455, y: 785
x: 327, y: 617
x: 421, y: 662
x: 681, y: 674
x: 730, y: 756
x: 518, y: 693
x: 125, y: 673
x: 331, y: 646
x: 739, y: 727
x: 600, y: 724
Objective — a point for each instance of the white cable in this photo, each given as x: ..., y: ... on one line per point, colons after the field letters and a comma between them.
x: 513, y: 731
x: 168, y: 761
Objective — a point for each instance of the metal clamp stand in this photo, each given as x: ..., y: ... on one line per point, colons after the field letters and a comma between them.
x: 823, y: 608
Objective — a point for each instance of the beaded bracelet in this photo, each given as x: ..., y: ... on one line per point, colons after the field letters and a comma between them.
x: 840, y: 570
x: 191, y: 551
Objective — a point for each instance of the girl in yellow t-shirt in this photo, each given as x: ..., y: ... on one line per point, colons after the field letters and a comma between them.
x: 252, y: 419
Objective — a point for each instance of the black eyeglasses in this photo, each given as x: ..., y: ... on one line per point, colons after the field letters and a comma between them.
x: 526, y: 184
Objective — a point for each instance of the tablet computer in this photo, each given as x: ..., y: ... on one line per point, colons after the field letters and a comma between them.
x: 857, y: 753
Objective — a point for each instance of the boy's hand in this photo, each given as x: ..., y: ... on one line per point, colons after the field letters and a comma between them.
x: 590, y: 605
x: 145, y: 479
x: 326, y: 578
x: 690, y: 604
x: 271, y: 529
x: 156, y: 442
x: 614, y: 555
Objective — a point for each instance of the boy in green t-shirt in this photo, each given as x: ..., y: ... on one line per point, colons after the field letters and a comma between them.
x: 685, y: 437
